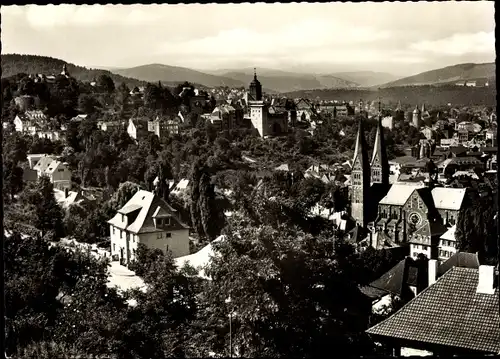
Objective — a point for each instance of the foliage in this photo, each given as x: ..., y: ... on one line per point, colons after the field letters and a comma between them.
x: 41, y: 208
x: 290, y: 295
x: 476, y: 228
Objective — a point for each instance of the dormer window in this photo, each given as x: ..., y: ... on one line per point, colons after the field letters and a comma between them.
x: 123, y: 218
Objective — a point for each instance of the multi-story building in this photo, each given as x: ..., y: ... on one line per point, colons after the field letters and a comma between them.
x: 148, y: 219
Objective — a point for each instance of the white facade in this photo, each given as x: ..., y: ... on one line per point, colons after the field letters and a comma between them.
x: 258, y: 116
x: 124, y: 243
x: 416, y: 249
x: 132, y: 130
x: 147, y: 219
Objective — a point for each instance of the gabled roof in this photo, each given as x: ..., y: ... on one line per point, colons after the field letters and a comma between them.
x: 148, y: 203
x: 449, y: 235
x: 448, y: 198
x: 43, y: 163
x: 448, y: 313
x: 53, y: 166
x: 392, y: 280
x: 399, y: 193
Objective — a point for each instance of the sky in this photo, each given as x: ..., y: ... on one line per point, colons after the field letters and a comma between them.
x: 402, y: 38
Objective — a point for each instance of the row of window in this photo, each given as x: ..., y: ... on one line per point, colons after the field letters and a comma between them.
x: 446, y: 254
x: 420, y: 246
x: 133, y: 237
x: 447, y: 243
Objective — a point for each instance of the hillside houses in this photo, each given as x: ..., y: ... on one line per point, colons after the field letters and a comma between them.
x: 45, y: 165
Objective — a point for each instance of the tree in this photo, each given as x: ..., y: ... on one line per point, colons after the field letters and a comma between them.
x: 157, y: 326
x: 290, y: 296
x: 12, y: 179
x: 105, y: 82
x: 87, y: 103
x: 57, y: 301
x: 476, y: 228
x: 42, y: 208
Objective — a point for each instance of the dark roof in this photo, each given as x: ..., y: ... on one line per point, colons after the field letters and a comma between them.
x: 459, y: 259
x: 458, y: 149
x: 392, y: 280
x: 373, y: 293
x: 448, y: 313
x: 489, y: 149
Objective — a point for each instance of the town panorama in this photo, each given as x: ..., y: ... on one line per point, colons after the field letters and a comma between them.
x: 250, y: 180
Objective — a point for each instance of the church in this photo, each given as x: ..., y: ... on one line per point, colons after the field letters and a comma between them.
x: 266, y: 122
x: 413, y: 215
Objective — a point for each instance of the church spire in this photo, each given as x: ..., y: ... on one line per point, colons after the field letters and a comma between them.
x: 359, y: 187
x: 379, y: 163
x: 255, y: 73
x: 360, y: 151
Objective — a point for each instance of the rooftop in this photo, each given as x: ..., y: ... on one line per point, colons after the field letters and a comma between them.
x: 448, y: 198
x: 399, y: 193
x: 449, y: 313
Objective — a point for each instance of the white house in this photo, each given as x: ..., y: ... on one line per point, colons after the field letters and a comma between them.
x: 59, y: 174
x: 42, y: 163
x: 148, y: 219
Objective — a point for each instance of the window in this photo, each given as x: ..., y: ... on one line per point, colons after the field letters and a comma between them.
x: 168, y: 235
x: 159, y: 235
x: 167, y: 221
x: 121, y: 234
x: 60, y: 170
x: 113, y: 230
x: 123, y: 218
x: 114, y: 247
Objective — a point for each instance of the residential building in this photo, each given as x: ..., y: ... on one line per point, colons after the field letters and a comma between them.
x: 388, y: 122
x: 448, y: 244
x: 108, y: 125
x: 456, y: 315
x: 138, y: 128
x: 147, y: 219
x: 27, y: 122
x: 59, y: 174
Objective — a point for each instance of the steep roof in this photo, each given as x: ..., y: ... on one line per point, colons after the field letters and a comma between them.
x: 43, y: 163
x: 450, y: 234
x: 392, y: 280
x: 448, y: 198
x: 448, y: 313
x: 147, y: 204
x: 399, y: 193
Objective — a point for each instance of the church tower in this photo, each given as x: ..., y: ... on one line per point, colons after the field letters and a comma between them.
x: 258, y: 110
x: 379, y: 164
x: 255, y: 88
x: 360, y: 180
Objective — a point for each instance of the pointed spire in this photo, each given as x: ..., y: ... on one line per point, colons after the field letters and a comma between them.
x: 399, y: 106
x: 380, y: 170
x: 423, y: 107
x: 360, y: 149
x: 255, y: 73
x: 379, y: 108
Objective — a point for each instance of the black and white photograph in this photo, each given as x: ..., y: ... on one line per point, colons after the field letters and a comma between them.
x: 247, y: 180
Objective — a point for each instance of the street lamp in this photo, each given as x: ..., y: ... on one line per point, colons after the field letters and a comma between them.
x: 228, y: 301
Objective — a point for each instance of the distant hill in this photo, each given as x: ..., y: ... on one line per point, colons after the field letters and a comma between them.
x: 414, y: 95
x: 13, y: 64
x: 448, y: 75
x: 367, y: 78
x: 175, y: 74
x: 282, y: 81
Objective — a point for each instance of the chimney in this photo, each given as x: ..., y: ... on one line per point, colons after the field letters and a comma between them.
x: 66, y: 191
x: 432, y: 271
x: 486, y: 280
